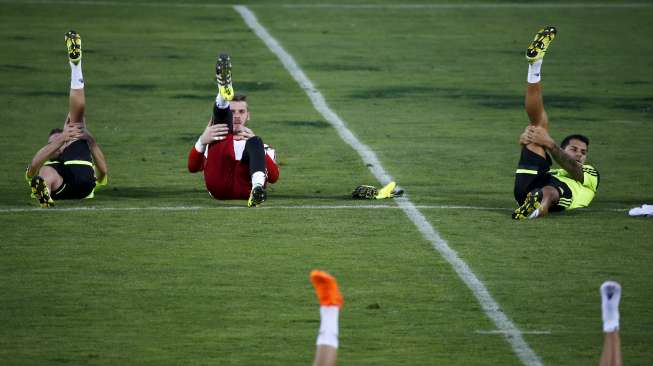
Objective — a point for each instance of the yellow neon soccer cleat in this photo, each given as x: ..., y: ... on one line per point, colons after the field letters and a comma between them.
x: 223, y: 76
x: 74, y: 46
x: 256, y: 196
x: 41, y: 192
x: 528, y: 210
x: 537, y: 48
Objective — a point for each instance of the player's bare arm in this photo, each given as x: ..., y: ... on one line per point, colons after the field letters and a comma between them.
x: 101, y: 169
x: 540, y: 136
x: 71, y: 131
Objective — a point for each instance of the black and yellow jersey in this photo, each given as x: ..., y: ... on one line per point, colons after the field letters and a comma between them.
x: 581, y: 193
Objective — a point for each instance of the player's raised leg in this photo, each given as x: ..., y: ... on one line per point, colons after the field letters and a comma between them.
x: 77, y: 99
x: 610, y: 296
x: 221, y: 112
x: 533, y: 102
x: 331, y: 300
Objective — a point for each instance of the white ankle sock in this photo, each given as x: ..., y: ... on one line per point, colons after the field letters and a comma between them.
x: 220, y: 102
x: 76, y: 78
x: 258, y: 179
x: 610, y: 307
x: 534, y: 72
x: 328, y: 335
x: 535, y: 214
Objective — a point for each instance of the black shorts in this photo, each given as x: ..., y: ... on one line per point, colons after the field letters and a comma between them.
x: 533, y: 173
x: 75, y: 166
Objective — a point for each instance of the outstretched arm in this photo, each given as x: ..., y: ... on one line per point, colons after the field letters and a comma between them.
x: 540, y: 136
x: 48, y: 151
x: 98, y: 156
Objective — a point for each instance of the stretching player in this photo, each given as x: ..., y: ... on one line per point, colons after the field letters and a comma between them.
x: 331, y: 301
x: 236, y: 163
x: 64, y: 169
x: 539, y: 189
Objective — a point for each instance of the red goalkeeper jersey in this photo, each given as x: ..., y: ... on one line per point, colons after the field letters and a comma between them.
x: 226, y: 177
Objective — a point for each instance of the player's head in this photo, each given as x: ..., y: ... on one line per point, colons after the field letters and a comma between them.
x: 577, y: 146
x: 54, y: 133
x: 240, y: 111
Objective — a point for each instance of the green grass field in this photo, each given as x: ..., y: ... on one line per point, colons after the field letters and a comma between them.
x: 435, y: 91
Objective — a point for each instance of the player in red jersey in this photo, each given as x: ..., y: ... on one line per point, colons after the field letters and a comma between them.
x: 236, y: 163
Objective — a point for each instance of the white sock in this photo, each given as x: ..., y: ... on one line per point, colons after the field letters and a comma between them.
x: 610, y: 306
x: 258, y: 179
x: 535, y: 214
x: 534, y: 72
x: 76, y: 78
x: 328, y: 335
x: 220, y: 102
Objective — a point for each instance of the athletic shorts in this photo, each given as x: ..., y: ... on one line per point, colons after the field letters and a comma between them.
x: 75, y: 166
x: 533, y: 173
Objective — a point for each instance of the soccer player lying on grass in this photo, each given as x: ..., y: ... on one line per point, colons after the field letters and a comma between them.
x: 236, y: 163
x: 331, y: 300
x: 64, y: 169
x: 539, y: 189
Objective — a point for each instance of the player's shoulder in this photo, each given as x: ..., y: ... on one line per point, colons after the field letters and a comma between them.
x: 590, y: 169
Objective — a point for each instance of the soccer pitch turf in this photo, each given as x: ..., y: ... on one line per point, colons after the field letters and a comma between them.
x: 152, y: 271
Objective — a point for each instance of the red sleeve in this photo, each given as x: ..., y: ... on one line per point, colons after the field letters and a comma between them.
x: 273, y: 169
x: 195, y: 161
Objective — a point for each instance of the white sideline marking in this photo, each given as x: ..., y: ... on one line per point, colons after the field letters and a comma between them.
x: 344, y: 6
x: 489, y: 305
x: 281, y: 207
x: 504, y: 332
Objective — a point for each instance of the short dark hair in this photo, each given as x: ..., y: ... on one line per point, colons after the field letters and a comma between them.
x: 55, y: 130
x: 578, y: 137
x: 239, y: 98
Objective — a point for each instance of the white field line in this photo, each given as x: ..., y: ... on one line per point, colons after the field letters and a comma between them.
x: 514, y: 5
x: 504, y: 332
x: 8, y: 210
x: 489, y: 305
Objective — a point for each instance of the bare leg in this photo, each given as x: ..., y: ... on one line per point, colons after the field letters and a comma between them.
x: 325, y: 356
x: 550, y: 196
x: 611, y: 355
x: 51, y: 177
x: 76, y: 105
x: 534, y: 106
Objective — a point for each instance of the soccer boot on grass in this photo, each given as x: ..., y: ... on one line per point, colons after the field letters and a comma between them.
x: 538, y: 47
x: 530, y: 208
x: 40, y: 192
x: 256, y: 196
x: 74, y: 46
x: 223, y: 76
x: 326, y: 289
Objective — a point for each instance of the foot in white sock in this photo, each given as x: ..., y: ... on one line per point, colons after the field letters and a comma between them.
x: 610, y: 296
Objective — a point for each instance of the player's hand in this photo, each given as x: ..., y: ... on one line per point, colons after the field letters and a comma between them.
x: 214, y: 133
x: 539, y: 136
x: 72, y: 131
x: 243, y: 134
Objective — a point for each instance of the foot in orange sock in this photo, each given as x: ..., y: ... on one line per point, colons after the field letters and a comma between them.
x: 326, y: 289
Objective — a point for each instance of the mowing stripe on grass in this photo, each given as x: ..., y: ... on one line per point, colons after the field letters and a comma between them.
x: 513, y: 5
x: 489, y: 305
x: 474, y: 6
x: 7, y: 210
